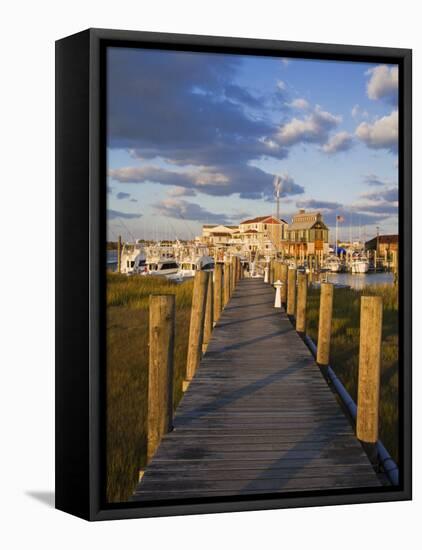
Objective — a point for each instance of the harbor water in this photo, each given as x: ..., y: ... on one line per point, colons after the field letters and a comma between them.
x: 360, y: 280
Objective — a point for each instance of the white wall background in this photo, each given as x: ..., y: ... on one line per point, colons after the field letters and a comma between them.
x: 29, y: 30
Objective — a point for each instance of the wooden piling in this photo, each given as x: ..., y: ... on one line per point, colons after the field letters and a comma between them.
x: 218, y: 291
x: 160, y: 372
x: 324, y: 328
x: 119, y: 254
x: 302, y: 294
x: 271, y: 272
x: 283, y: 278
x: 209, y: 314
x: 233, y: 274
x: 291, y: 291
x: 227, y: 279
x: 369, y: 368
x: 196, y: 329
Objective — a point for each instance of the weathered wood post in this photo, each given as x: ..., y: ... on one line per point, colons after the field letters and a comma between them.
x: 218, y: 291
x: 283, y: 279
x: 226, y: 283
x: 196, y: 329
x: 209, y: 314
x: 396, y: 266
x: 302, y: 294
x: 119, y: 254
x: 324, y: 327
x: 271, y: 273
x: 291, y: 291
x: 233, y: 275
x: 160, y: 373
x: 369, y: 369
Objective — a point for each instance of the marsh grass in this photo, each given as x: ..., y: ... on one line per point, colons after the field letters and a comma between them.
x: 127, y: 372
x: 344, y: 357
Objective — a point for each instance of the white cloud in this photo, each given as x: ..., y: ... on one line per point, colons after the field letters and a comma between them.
x: 313, y: 128
x: 286, y: 61
x: 342, y: 141
x: 382, y: 133
x: 358, y: 112
x: 299, y: 103
x: 281, y: 85
x: 383, y: 83
x: 181, y: 192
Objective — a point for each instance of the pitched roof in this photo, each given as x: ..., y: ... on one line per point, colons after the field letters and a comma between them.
x: 259, y: 219
x: 384, y: 239
x: 305, y: 220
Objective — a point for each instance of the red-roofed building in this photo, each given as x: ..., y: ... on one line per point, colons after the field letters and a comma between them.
x: 263, y: 233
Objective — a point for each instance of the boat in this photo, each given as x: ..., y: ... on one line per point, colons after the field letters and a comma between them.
x: 334, y: 264
x: 190, y: 266
x: 161, y: 267
x: 133, y: 258
x: 360, y: 265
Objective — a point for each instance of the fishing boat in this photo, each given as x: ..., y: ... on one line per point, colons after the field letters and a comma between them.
x: 190, y: 266
x: 133, y: 258
x: 360, y: 265
x: 161, y: 267
x: 334, y: 264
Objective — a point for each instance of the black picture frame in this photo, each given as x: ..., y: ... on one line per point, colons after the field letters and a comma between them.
x: 80, y: 285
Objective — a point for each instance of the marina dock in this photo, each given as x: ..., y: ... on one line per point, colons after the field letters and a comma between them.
x: 258, y: 416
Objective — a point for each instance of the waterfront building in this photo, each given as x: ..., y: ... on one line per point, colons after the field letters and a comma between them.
x: 307, y: 235
x: 264, y: 234
x: 383, y: 244
x: 218, y: 235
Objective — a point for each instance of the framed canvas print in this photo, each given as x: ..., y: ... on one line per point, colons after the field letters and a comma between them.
x: 234, y: 329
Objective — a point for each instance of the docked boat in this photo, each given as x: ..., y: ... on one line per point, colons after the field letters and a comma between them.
x: 161, y: 267
x: 133, y: 259
x: 190, y: 266
x: 360, y: 265
x: 334, y: 264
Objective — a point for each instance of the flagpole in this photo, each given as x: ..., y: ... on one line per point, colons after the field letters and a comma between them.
x: 336, y: 235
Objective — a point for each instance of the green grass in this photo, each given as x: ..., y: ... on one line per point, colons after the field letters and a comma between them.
x: 127, y: 372
x: 344, y: 356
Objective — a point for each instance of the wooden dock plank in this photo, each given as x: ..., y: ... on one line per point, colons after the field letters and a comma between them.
x: 258, y: 417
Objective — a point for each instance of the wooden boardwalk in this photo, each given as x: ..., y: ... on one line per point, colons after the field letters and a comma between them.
x: 258, y: 416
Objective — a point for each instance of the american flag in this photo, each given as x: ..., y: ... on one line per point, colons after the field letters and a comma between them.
x: 340, y: 219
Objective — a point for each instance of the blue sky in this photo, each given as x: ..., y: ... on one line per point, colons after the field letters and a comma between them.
x: 197, y: 138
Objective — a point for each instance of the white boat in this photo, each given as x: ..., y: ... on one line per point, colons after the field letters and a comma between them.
x: 161, y: 267
x: 133, y: 258
x: 333, y: 264
x: 360, y: 265
x: 190, y: 266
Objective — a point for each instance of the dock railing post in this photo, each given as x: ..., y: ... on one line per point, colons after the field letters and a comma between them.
x: 209, y: 314
x: 196, y: 329
x: 226, y: 283
x: 369, y: 371
x: 283, y: 278
x: 271, y: 272
x: 218, y: 295
x: 291, y: 291
x: 324, y: 327
x: 233, y: 275
x: 266, y: 272
x: 160, y: 372
x: 119, y: 254
x: 302, y: 294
